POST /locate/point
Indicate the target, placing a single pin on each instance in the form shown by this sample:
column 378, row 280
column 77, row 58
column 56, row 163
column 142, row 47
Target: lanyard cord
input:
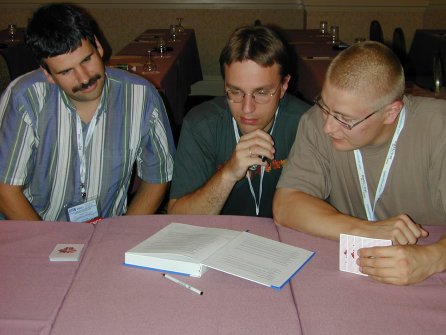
column 81, row 147
column 262, row 169
column 384, row 173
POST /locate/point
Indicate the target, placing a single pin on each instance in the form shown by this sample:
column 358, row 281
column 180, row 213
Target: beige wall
column 213, row 23
column 354, row 17
column 212, row 26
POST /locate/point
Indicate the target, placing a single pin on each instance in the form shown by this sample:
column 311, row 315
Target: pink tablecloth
column 103, row 296
column 334, row 302
column 111, row 298
column 32, row 288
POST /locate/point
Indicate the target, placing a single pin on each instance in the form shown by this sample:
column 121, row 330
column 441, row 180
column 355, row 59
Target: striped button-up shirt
column 39, row 147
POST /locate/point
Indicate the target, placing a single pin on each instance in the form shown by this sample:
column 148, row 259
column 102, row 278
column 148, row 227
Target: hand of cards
column 348, row 250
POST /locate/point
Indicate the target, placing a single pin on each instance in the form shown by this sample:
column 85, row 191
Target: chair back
column 376, row 32
column 399, row 48
column 438, row 73
column 399, row 44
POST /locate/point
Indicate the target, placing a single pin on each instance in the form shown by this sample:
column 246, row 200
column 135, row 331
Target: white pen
column 182, row 283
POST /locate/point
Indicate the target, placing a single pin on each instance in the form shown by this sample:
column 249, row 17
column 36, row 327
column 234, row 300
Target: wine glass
column 162, row 47
column 173, row 32
column 12, row 31
column 180, row 28
column 323, row 27
column 149, row 65
column 335, row 34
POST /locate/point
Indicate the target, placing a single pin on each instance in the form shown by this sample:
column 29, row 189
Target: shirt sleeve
column 156, row 154
column 17, row 140
column 307, row 167
column 195, row 160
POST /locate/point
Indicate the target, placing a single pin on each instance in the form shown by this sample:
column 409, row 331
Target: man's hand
column 402, row 265
column 211, row 197
column 400, row 229
column 249, row 151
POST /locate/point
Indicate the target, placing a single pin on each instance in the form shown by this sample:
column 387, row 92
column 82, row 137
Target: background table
column 314, row 52
column 177, row 70
column 17, row 57
column 425, row 45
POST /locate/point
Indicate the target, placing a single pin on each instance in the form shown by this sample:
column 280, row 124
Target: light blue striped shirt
column 38, row 145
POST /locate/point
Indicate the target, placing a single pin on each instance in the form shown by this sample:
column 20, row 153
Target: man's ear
column 284, row 85
column 394, row 111
column 48, row 75
column 99, row 47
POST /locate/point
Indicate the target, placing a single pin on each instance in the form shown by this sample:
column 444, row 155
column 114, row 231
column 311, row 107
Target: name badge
column 84, row 212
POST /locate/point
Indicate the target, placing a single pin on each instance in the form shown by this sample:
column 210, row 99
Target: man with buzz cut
column 370, row 161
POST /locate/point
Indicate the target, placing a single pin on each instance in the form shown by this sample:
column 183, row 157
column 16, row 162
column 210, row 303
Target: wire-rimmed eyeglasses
column 260, row 96
column 343, row 120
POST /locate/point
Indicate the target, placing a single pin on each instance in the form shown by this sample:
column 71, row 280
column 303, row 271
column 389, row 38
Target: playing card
column 348, row 250
column 66, row 253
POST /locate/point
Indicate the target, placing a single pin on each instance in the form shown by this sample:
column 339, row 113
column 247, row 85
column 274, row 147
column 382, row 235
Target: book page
column 259, row 259
column 185, row 240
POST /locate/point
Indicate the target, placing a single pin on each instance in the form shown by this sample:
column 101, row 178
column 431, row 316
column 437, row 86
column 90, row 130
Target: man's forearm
column 311, row 215
column 208, row 199
column 439, row 255
column 14, row 205
column 147, row 199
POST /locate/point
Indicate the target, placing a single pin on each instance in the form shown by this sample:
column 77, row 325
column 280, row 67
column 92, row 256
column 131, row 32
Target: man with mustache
column 71, row 131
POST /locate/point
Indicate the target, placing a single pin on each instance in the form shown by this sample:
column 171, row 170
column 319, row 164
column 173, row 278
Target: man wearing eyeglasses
column 371, row 162
column 232, row 149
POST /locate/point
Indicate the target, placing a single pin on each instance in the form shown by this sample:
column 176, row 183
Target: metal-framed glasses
column 343, row 120
column 260, row 96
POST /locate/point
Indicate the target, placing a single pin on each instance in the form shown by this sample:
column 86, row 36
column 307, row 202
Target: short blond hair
column 369, row 69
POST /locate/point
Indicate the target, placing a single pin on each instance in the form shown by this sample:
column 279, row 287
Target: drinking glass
column 12, row 31
column 437, row 71
column 161, row 46
column 323, row 27
column 173, row 32
column 180, row 28
column 335, row 34
column 149, row 65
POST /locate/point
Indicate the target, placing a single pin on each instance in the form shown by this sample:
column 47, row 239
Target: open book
column 191, row 250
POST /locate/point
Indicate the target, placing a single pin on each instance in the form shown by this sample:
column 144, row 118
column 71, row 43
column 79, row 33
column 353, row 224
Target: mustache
column 92, row 80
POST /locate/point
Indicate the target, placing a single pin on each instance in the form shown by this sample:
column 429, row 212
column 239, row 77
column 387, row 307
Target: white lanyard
column 262, row 168
column 81, row 147
column 384, row 173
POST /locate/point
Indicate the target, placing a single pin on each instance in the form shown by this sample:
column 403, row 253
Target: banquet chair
column 399, row 44
column 399, row 48
column 376, row 32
